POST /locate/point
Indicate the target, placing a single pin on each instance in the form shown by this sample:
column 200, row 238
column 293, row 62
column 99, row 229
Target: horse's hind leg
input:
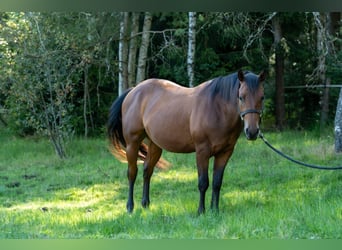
column 153, row 155
column 132, row 150
column 202, row 159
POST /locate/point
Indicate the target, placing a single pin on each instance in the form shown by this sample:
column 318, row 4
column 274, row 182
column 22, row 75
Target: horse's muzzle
column 251, row 134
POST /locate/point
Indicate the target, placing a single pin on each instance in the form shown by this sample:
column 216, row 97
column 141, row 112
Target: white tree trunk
column 338, row 125
column 123, row 53
column 191, row 48
column 321, row 21
column 141, row 71
column 132, row 56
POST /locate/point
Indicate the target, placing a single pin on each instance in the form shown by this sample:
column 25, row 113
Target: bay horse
column 207, row 119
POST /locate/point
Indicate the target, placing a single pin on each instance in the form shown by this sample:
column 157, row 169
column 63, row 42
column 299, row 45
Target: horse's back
column 161, row 109
column 159, row 92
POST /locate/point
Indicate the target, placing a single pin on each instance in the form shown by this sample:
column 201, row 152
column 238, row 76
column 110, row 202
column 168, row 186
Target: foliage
column 85, row 195
column 49, row 65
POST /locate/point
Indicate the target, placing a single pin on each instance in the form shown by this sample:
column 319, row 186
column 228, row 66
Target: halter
column 248, row 111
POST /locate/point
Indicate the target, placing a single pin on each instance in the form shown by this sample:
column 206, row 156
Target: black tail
column 114, row 126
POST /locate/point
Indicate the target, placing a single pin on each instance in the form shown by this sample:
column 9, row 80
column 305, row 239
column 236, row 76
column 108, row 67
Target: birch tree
column 133, row 47
column 326, row 25
column 141, row 71
column 123, row 52
column 322, row 51
column 338, row 125
column 191, row 47
column 335, row 27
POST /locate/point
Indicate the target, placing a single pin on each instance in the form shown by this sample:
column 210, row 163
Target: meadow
column 84, row 196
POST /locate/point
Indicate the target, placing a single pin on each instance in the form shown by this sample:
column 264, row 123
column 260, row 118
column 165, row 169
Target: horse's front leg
column 202, row 159
column 219, row 167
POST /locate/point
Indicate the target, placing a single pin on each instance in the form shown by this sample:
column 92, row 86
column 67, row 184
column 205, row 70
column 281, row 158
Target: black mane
column 227, row 86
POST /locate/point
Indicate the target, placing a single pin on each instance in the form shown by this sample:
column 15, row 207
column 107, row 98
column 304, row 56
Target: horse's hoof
column 130, row 208
column 200, row 211
column 145, row 203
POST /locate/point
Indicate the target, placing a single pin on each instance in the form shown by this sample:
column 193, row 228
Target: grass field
column 263, row 196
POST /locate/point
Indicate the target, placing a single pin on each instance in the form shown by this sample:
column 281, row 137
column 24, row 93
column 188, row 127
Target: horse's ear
column 262, row 76
column 241, row 76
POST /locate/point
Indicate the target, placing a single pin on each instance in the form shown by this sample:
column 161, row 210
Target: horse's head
column 251, row 98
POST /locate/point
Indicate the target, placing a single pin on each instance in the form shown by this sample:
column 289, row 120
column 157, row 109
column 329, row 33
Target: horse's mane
column 227, row 86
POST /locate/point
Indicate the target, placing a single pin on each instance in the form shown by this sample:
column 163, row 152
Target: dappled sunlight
column 70, row 207
column 49, row 206
column 236, row 197
column 175, row 175
column 166, row 209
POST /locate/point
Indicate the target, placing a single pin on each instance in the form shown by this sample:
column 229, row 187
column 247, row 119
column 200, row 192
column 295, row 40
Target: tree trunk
column 327, row 25
column 191, row 48
column 279, row 74
column 1, row 118
column 322, row 50
column 335, row 27
column 338, row 125
column 141, row 71
column 123, row 52
column 325, row 101
column 85, row 102
column 132, row 56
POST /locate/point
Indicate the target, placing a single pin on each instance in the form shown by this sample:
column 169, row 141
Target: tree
column 49, row 69
column 279, row 73
column 321, row 21
column 141, row 71
column 45, row 93
column 2, row 120
column 123, row 52
column 338, row 125
column 334, row 31
column 133, row 47
column 191, row 47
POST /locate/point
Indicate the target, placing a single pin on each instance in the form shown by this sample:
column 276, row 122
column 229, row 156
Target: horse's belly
column 174, row 140
column 176, row 146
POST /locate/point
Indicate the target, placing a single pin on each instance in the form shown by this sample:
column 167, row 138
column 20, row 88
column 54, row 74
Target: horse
column 208, row 119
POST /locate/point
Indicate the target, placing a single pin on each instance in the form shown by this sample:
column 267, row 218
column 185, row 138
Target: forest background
column 61, row 71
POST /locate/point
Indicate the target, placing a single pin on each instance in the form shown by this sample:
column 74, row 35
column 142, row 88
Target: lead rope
column 294, row 160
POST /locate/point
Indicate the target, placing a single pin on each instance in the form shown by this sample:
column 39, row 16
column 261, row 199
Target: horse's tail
column 115, row 134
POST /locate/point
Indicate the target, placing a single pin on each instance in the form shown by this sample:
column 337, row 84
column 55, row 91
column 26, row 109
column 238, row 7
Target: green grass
column 263, row 196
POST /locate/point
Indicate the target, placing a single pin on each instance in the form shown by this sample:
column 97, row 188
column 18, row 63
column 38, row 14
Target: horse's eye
column 262, row 98
column 241, row 98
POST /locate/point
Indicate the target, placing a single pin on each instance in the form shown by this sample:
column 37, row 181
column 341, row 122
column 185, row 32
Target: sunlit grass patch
column 255, row 198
